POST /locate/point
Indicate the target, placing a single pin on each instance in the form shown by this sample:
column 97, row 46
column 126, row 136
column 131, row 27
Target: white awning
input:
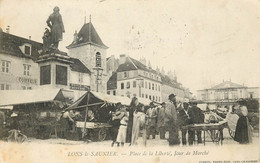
column 111, row 98
column 16, row 97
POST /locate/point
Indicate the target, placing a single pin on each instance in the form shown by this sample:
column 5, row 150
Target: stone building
column 133, row 78
column 88, row 47
column 18, row 67
column 226, row 93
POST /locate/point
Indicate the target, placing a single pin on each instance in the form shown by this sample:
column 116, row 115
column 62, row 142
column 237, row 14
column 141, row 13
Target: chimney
column 122, row 59
column 8, row 29
column 30, row 37
column 75, row 36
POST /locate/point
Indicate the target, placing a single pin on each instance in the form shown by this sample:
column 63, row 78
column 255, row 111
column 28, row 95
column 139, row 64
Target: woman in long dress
column 133, row 106
column 243, row 133
column 138, row 122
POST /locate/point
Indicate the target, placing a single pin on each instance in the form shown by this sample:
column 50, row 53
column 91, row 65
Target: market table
column 208, row 127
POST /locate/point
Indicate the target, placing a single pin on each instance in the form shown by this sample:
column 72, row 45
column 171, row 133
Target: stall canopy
column 17, row 97
column 98, row 98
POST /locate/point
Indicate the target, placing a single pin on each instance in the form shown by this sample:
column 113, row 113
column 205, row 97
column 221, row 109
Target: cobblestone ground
column 150, row 143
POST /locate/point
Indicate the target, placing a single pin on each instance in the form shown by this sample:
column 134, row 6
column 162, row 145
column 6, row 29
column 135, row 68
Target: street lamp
column 99, row 72
column 140, row 82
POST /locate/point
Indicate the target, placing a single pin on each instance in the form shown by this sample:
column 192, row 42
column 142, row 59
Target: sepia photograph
column 129, row 81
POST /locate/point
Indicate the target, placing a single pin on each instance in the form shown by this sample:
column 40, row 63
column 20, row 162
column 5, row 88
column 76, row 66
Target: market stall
column 34, row 112
column 100, row 106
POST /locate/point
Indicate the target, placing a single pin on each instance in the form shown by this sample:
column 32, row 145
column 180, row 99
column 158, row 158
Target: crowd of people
column 146, row 122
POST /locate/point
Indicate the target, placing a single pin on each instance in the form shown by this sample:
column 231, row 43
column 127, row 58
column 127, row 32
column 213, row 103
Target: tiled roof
column 227, row 84
column 127, row 66
column 133, row 64
column 9, row 44
column 112, row 82
column 78, row 66
column 88, row 34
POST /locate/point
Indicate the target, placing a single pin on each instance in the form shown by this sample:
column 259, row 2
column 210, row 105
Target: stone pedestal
column 54, row 69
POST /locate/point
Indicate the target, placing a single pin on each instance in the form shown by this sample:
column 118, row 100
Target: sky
column 204, row 42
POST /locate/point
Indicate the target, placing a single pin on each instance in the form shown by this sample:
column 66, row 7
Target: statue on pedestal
column 52, row 38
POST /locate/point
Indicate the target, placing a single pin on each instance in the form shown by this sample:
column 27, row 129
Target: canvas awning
column 96, row 98
column 145, row 101
column 17, row 97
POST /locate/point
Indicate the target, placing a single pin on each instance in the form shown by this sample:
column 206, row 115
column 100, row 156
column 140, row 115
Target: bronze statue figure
column 56, row 25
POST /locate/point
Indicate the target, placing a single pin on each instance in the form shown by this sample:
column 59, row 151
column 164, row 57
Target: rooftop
column 112, row 82
column 133, row 64
column 9, row 44
column 87, row 35
column 78, row 66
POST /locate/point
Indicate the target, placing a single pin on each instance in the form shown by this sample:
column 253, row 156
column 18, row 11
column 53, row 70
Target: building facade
column 134, row 79
column 226, row 93
column 17, row 56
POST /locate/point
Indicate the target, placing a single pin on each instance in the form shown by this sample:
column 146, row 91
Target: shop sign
column 27, row 80
column 79, row 87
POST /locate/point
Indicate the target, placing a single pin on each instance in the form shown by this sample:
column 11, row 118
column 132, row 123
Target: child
column 121, row 137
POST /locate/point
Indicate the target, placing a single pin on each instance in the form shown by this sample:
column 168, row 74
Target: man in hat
column 196, row 116
column 151, row 115
column 160, row 120
column 171, row 120
column 183, row 117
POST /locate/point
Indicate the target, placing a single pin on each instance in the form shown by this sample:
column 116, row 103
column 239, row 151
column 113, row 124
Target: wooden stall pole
column 86, row 114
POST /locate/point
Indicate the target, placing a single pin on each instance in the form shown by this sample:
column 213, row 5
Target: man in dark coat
column 183, row 121
column 196, row 116
column 171, row 121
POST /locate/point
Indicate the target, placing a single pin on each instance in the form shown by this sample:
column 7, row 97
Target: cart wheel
column 101, row 134
column 231, row 133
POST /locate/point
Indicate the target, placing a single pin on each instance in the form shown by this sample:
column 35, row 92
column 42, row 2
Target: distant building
column 168, row 83
column 88, row 47
column 172, row 86
column 133, row 78
column 112, row 64
column 226, row 93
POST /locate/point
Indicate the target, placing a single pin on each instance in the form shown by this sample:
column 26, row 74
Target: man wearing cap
column 151, row 115
column 171, row 120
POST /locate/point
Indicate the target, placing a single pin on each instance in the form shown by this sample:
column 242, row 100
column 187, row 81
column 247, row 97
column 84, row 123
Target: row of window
column 8, row 86
column 147, row 85
column 6, row 67
column 126, row 74
column 5, row 86
column 153, row 98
